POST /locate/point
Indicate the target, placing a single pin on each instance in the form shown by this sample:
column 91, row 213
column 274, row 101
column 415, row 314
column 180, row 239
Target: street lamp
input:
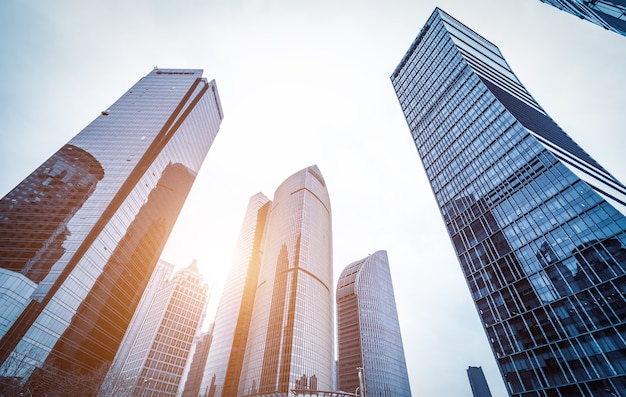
column 362, row 392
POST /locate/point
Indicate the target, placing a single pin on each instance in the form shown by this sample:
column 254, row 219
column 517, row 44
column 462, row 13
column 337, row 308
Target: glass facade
column 84, row 231
column 291, row 339
column 610, row 14
column 157, row 354
column 232, row 319
column 538, row 225
column 368, row 331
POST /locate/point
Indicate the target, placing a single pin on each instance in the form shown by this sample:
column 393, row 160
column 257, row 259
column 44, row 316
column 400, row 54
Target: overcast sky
column 302, row 83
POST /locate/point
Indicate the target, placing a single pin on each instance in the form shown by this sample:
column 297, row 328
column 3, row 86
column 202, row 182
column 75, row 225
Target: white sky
column 302, row 83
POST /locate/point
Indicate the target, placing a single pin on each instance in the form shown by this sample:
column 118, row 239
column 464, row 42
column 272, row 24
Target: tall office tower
column 611, row 15
column 200, row 349
column 81, row 235
column 478, row 383
column 158, row 353
column 232, row 319
column 371, row 355
column 291, row 339
column 537, row 224
column 113, row 383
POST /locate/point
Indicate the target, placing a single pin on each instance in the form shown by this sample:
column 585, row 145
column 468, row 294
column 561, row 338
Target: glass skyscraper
column 371, row 354
column 232, row 319
column 201, row 347
column 537, row 224
column 478, row 383
column 290, row 344
column 610, row 14
column 80, row 236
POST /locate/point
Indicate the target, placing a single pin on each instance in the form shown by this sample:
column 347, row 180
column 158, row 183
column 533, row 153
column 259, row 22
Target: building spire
column 194, row 265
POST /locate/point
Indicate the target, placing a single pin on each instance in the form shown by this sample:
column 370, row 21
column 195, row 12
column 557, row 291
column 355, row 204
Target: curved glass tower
column 537, row 224
column 80, row 236
column 291, row 344
column 368, row 331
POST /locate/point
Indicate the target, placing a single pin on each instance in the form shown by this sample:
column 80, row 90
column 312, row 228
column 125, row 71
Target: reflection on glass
column 34, row 215
column 96, row 331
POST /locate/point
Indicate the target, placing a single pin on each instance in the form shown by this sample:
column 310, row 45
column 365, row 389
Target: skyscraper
column 158, row 353
column 611, row 15
column 537, row 224
column 232, row 320
column 81, row 235
column 290, row 343
column 113, row 383
column 368, row 331
column 478, row 383
column 201, row 348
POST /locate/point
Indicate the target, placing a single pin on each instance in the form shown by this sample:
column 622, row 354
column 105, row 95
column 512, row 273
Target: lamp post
column 361, row 390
